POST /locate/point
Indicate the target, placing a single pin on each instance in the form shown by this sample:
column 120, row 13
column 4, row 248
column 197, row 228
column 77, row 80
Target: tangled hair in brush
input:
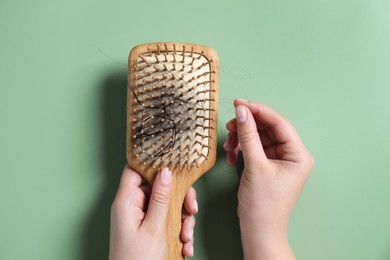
column 171, row 113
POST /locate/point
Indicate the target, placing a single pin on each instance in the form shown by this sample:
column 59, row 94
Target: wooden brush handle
column 174, row 223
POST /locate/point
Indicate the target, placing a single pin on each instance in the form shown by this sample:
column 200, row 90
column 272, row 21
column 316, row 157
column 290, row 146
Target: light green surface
column 325, row 64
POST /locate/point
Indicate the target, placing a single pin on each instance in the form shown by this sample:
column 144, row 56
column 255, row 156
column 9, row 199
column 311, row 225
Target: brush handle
column 174, row 223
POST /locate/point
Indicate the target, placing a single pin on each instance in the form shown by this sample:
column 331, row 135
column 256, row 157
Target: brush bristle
column 172, row 115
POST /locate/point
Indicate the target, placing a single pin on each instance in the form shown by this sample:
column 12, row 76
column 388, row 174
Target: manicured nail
column 166, row 176
column 191, row 251
column 196, row 205
column 241, row 114
column 190, row 234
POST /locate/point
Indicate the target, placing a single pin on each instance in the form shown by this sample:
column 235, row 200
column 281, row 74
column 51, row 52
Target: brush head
column 172, row 108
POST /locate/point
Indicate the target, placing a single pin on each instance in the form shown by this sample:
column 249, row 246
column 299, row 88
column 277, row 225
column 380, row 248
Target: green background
column 325, row 64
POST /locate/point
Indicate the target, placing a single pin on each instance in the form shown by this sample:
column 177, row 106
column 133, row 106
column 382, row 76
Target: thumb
column 159, row 199
column 248, row 137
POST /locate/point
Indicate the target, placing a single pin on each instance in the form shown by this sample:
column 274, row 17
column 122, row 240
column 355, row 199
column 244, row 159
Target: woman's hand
column 276, row 167
column 138, row 218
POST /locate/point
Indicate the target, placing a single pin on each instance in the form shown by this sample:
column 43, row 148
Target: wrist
column 262, row 241
column 266, row 249
column 270, row 226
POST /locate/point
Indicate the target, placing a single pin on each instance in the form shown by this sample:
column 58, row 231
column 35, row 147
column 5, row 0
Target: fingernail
column 240, row 99
column 241, row 114
column 166, row 176
column 191, row 250
column 196, row 205
column 190, row 234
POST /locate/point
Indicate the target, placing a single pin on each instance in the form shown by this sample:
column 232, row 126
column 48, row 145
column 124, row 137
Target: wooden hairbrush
column 172, row 109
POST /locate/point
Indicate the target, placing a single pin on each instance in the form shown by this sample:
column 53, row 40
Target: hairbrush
column 172, row 109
